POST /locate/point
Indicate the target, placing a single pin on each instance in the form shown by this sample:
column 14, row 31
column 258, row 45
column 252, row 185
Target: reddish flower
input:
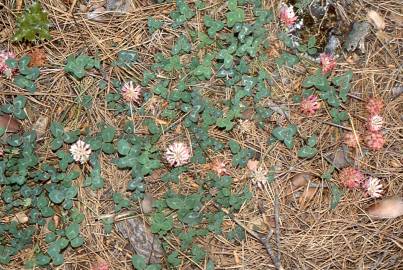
column 101, row 265
column 375, row 122
column 374, row 105
column 350, row 178
column 328, row 62
column 4, row 69
column 350, row 140
column 310, row 105
column 287, row 15
column 375, row 140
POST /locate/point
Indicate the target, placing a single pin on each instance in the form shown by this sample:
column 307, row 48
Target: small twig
column 336, row 125
column 277, row 221
column 262, row 239
column 72, row 6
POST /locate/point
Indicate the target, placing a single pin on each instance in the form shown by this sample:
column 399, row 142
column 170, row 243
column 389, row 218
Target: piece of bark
column 141, row 239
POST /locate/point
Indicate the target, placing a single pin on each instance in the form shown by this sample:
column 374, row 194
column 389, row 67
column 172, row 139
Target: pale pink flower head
column 373, row 187
column 350, row 178
column 80, row 151
column 310, row 105
column 375, row 122
column 4, row 69
column 131, row 93
column 287, row 15
column 374, row 105
column 219, row 167
column 375, row 140
column 327, row 61
column 177, row 154
column 350, row 140
column 1, row 152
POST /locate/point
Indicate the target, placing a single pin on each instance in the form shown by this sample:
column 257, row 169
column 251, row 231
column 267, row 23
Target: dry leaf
column 376, row 20
column 252, row 165
column 141, row 239
column 97, row 14
column 38, row 57
column 40, row 126
column 396, row 91
column 301, row 179
column 20, row 217
column 339, row 158
column 119, row 5
column 307, row 195
column 387, row 208
column 9, row 123
column 353, row 59
column 147, row 204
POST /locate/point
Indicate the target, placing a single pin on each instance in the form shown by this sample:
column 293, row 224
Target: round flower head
column 375, row 140
column 375, row 122
column 177, row 154
column 327, row 61
column 374, row 105
column 350, row 140
column 259, row 177
column 373, row 187
column 287, row 15
column 80, row 151
column 219, row 167
column 310, row 105
column 101, row 265
column 4, row 69
column 350, row 178
column 131, row 93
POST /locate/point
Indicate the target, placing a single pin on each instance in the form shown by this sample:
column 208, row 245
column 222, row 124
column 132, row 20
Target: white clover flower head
column 375, row 122
column 177, row 154
column 80, row 151
column 131, row 93
column 259, row 177
column 373, row 187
